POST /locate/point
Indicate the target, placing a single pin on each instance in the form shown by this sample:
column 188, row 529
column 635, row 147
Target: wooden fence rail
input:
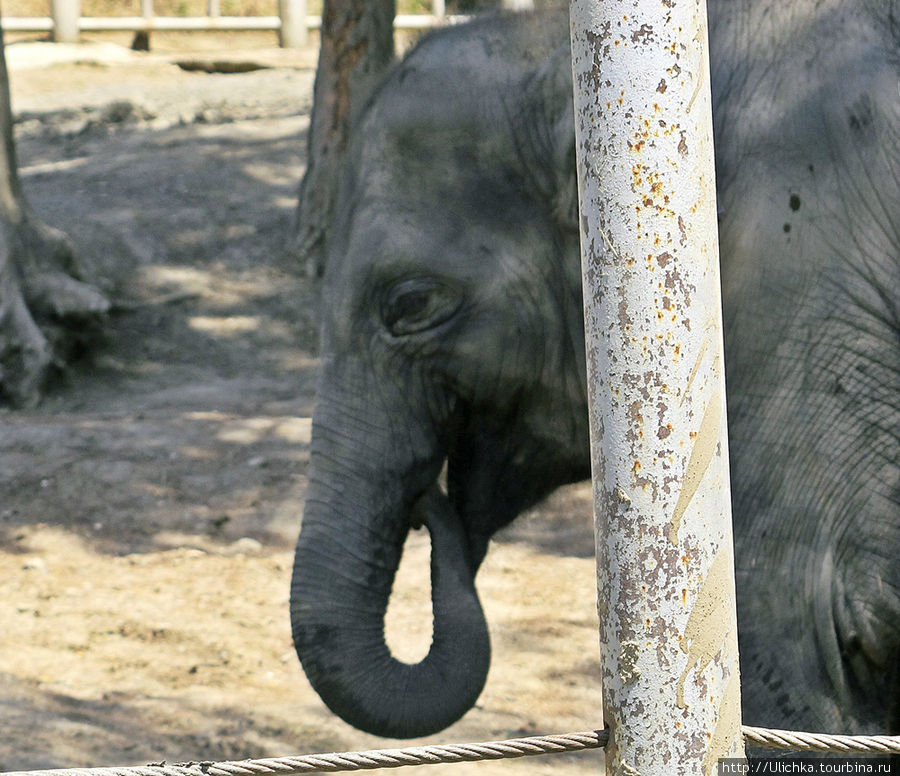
column 292, row 23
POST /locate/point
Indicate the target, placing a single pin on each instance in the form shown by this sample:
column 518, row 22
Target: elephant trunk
column 344, row 568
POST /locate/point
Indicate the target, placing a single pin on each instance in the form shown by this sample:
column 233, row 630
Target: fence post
column 213, row 9
column 665, row 570
column 439, row 8
column 293, row 33
column 66, row 20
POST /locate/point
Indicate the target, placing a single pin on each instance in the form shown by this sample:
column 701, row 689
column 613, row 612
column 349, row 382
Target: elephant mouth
column 435, row 499
column 436, row 496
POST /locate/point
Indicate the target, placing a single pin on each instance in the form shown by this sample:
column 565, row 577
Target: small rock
column 219, row 522
column 246, row 545
column 34, row 564
column 258, row 461
column 141, row 41
column 118, row 112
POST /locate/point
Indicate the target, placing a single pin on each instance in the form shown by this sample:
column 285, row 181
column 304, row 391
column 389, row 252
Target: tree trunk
column 357, row 46
column 44, row 304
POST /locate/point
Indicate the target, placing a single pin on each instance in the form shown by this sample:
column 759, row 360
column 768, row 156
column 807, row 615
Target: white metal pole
column 66, row 17
column 438, row 9
column 665, row 570
column 213, row 9
column 147, row 9
column 293, row 32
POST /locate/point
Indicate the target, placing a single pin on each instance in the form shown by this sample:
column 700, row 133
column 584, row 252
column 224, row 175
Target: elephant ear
column 545, row 136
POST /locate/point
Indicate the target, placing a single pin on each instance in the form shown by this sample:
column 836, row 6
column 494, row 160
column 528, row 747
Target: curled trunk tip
column 337, row 617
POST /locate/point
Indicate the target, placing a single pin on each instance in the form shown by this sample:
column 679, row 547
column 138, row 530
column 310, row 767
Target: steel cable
column 455, row 753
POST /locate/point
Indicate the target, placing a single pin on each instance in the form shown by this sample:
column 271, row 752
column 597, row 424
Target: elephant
column 452, row 341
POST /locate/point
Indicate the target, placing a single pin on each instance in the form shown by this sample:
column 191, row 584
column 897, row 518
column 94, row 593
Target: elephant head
column 446, row 259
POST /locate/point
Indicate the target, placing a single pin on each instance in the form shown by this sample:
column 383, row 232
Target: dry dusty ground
column 148, row 509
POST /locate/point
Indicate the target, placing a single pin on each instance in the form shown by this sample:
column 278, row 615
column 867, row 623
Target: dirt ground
column 149, row 507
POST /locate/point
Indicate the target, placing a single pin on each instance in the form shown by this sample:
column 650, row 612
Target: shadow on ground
column 129, row 728
column 197, row 402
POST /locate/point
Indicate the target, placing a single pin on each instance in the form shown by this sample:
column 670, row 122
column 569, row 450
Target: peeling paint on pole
column 655, row 372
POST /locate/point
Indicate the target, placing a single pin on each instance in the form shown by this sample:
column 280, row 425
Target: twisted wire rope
column 455, row 753
column 820, row 742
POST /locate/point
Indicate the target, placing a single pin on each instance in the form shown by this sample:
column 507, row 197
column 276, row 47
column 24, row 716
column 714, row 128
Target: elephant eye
column 416, row 305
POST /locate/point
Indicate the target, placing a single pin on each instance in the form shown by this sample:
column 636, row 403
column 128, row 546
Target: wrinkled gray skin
column 453, row 333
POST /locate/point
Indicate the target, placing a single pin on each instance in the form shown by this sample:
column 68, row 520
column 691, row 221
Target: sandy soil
column 148, row 509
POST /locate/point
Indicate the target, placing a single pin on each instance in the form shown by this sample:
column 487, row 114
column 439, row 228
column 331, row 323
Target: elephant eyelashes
column 416, row 305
